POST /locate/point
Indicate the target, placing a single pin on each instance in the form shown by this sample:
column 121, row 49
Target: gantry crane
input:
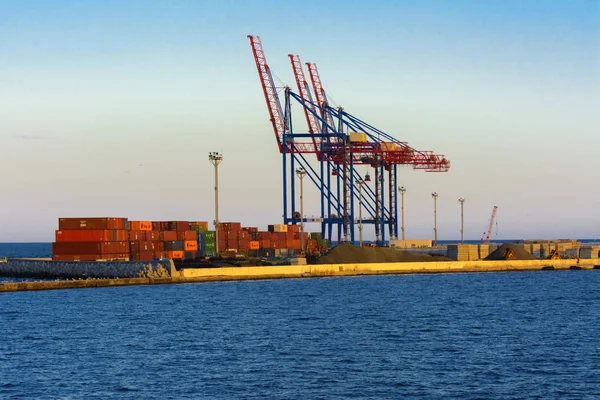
column 340, row 142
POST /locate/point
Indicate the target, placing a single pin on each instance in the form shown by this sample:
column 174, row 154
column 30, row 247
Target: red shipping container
column 85, row 235
column 158, row 226
column 168, row 236
column 230, row 226
column 89, row 257
column 180, row 226
column 134, row 247
column 136, row 236
column 187, row 235
column 146, row 255
column 152, row 236
column 244, row 235
column 148, row 246
column 92, row 223
column 160, row 254
column 90, row 247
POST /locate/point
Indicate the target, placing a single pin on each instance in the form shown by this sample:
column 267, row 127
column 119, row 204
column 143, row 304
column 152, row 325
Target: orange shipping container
column 253, row 245
column 140, row 225
column 190, row 245
column 176, row 254
column 187, row 235
column 292, row 244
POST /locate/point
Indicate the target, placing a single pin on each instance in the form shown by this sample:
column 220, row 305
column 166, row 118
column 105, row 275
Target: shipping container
column 243, row 235
column 176, row 254
column 174, row 245
column 280, row 228
column 209, row 236
column 357, row 137
column 140, row 225
column 187, row 235
column 91, row 235
column 136, row 236
column 66, row 248
column 253, row 245
column 166, row 236
column 230, row 226
column 106, row 223
column 199, row 226
column 90, row 257
column 178, row 226
column 159, row 226
column 152, row 236
column 190, row 245
column 316, row 236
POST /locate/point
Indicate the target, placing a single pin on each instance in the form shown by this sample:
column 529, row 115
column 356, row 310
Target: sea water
column 520, row 335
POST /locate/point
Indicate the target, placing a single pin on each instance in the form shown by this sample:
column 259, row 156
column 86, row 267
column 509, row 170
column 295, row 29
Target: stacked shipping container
column 86, row 239
column 90, row 239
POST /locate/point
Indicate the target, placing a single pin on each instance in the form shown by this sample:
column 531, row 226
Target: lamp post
column 402, row 190
column 435, row 196
column 215, row 159
column 462, row 220
column 301, row 173
column 360, row 184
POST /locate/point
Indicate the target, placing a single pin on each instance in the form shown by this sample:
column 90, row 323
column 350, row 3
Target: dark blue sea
column 520, row 335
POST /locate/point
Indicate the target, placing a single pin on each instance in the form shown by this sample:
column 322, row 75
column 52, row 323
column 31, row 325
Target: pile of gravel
column 502, row 253
column 345, row 253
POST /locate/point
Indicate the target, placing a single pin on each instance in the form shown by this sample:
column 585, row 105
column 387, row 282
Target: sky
column 110, row 108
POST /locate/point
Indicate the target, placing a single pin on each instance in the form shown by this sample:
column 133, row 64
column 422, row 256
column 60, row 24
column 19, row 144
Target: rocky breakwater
column 44, row 269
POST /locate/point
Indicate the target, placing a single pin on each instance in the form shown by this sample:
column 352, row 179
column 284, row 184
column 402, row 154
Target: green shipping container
column 209, row 236
column 197, row 228
column 316, row 236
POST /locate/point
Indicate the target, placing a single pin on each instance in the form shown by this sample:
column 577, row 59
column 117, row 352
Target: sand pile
column 509, row 251
column 346, row 253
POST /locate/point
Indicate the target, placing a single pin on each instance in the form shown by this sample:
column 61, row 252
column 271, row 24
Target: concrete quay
column 193, row 275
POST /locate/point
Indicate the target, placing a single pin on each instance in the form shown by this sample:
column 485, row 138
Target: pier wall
column 384, row 268
column 25, row 268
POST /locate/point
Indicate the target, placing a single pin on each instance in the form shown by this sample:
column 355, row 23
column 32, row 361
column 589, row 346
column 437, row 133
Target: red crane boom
column 269, row 90
column 486, row 238
column 304, row 90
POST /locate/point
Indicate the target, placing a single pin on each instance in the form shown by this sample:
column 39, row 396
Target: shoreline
column 198, row 275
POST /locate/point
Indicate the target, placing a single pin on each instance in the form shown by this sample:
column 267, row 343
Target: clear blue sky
column 109, row 108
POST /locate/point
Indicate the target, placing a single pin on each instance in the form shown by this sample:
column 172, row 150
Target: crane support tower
column 341, row 142
column 485, row 239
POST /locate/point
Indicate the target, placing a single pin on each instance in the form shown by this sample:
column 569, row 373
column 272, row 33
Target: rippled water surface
column 464, row 336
